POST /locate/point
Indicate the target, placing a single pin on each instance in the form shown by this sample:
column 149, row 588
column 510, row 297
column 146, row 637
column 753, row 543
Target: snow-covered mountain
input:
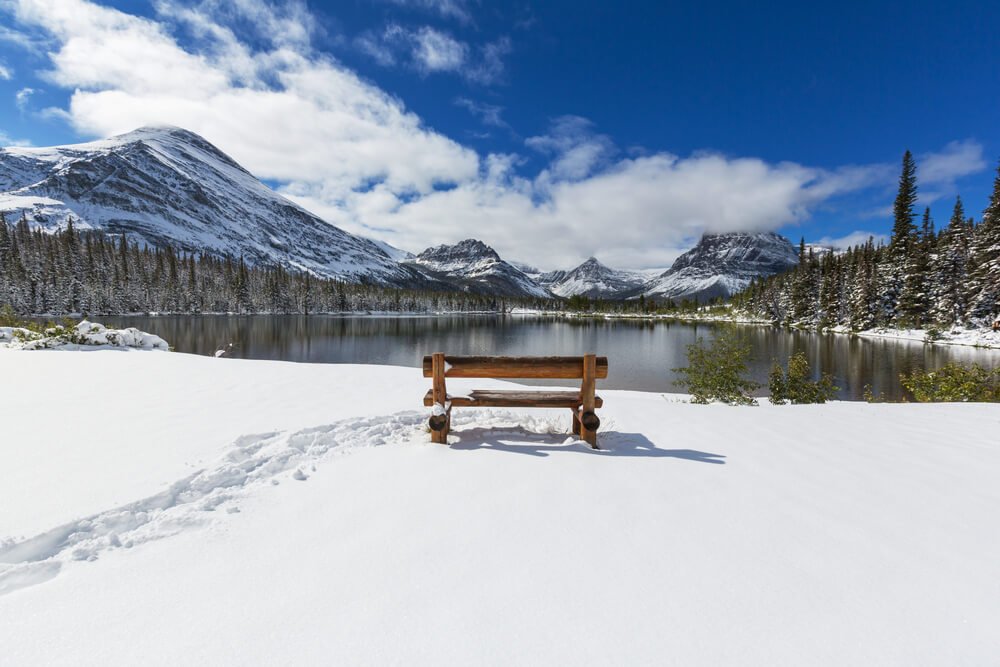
column 592, row 279
column 168, row 185
column 723, row 264
column 476, row 267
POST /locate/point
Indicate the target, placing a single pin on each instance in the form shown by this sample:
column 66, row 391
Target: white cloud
column 429, row 50
column 852, row 240
column 454, row 9
column 957, row 159
column 23, row 97
column 5, row 73
column 7, row 140
column 286, row 112
column 16, row 37
column 490, row 68
column 354, row 154
column 576, row 150
column 489, row 114
column 434, row 51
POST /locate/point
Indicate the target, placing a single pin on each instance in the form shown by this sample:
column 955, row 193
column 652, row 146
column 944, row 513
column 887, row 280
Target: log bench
column 582, row 403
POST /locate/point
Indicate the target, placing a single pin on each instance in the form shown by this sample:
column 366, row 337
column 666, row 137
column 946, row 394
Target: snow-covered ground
column 161, row 508
column 83, row 335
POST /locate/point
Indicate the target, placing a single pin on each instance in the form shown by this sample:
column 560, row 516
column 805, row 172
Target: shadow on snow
column 612, row 443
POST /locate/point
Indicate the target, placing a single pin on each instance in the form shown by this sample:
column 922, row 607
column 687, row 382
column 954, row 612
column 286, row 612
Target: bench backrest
column 557, row 368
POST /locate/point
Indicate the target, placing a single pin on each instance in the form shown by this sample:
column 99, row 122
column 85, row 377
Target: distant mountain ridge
column 476, row 267
column 592, row 279
column 722, row 264
column 167, row 185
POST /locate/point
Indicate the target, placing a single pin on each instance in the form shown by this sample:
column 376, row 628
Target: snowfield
column 161, row 509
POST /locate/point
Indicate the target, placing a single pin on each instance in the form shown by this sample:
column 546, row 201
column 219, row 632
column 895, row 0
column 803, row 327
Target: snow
column 475, row 262
column 592, row 279
column 194, row 510
column 163, row 185
column 84, row 334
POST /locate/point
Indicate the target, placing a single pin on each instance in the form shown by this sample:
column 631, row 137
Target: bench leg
column 576, row 423
column 441, row 435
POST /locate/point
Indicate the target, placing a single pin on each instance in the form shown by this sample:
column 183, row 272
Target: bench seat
column 491, row 398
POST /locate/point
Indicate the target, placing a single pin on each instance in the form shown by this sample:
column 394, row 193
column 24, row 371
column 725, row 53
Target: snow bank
column 248, row 512
column 84, row 334
column 984, row 337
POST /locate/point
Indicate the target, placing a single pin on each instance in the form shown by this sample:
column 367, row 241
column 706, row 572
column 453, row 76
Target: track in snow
column 266, row 459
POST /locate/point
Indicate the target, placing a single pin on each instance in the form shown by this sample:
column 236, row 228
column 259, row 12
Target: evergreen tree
column 914, row 299
column 892, row 275
column 949, row 269
column 985, row 295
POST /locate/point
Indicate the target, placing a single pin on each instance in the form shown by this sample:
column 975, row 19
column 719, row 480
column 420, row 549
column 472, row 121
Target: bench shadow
column 612, row 443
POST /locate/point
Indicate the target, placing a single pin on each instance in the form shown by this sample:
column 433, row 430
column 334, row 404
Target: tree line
column 80, row 271
column 922, row 278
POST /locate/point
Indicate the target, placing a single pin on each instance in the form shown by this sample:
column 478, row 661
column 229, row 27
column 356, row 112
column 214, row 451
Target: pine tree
column 949, row 269
column 984, row 303
column 893, row 274
column 914, row 300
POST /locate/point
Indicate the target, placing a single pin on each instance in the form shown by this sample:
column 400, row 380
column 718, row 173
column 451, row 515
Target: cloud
column 285, row 111
column 453, row 9
column 957, row 159
column 429, row 51
column 18, row 38
column 7, row 140
column 23, row 97
column 5, row 73
column 488, row 114
column 636, row 213
column 577, row 151
column 357, row 156
column 490, row 69
column 434, row 51
column 852, row 240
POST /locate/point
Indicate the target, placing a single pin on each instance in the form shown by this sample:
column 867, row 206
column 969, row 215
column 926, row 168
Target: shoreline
column 983, row 338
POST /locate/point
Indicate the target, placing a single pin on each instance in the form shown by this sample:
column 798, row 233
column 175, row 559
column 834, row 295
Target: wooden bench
column 582, row 403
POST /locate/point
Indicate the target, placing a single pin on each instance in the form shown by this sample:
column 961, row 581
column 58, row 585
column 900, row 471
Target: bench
column 582, row 403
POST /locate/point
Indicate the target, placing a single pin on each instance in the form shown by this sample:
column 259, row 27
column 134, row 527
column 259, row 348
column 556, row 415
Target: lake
column 641, row 353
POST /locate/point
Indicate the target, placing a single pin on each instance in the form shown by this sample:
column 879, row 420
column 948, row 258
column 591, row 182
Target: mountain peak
column 167, row 185
column 592, row 279
column 479, row 267
column 469, row 249
column 723, row 264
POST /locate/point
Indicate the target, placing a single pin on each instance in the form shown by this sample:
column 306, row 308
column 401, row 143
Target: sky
column 552, row 131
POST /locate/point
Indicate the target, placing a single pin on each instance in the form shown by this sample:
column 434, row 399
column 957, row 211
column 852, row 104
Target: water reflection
column 642, row 353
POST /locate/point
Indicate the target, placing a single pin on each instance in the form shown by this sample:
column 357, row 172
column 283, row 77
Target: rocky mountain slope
column 168, row 185
column 594, row 280
column 476, row 267
column 722, row 264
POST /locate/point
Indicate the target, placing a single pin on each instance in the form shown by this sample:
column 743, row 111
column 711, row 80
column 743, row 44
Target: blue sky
column 552, row 130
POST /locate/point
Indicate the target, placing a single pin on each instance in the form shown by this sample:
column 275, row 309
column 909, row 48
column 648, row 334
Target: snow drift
column 249, row 512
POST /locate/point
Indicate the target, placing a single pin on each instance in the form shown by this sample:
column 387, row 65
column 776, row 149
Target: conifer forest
column 922, row 278
column 92, row 273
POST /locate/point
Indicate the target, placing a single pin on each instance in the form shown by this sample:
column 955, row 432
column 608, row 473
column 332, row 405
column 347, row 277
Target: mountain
column 592, row 279
column 723, row 264
column 162, row 185
column 474, row 266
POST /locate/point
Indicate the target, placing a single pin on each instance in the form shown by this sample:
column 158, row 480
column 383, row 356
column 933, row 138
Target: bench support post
column 576, row 422
column 587, row 397
column 440, row 435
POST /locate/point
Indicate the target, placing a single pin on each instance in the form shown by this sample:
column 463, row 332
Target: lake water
column 641, row 354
